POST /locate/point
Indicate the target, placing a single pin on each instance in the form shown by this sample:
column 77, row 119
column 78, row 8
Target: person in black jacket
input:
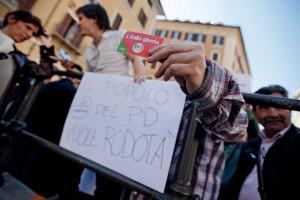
column 267, row 167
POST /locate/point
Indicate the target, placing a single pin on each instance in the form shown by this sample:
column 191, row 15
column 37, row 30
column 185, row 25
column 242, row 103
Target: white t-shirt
column 104, row 58
column 6, row 43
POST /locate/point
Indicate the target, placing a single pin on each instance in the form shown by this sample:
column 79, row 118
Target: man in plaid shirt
column 218, row 101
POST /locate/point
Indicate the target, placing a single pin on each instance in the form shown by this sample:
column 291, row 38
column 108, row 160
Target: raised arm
column 210, row 88
column 219, row 104
column 138, row 68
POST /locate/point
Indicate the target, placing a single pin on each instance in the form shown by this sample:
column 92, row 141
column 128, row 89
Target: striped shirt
column 218, row 106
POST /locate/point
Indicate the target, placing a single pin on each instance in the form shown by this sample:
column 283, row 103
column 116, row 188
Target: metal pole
column 68, row 74
column 274, row 101
column 17, row 128
column 180, row 188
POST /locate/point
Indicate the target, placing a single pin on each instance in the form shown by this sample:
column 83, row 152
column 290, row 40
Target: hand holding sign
column 185, row 61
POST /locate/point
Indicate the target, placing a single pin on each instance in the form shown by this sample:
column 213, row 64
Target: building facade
column 59, row 18
column 224, row 44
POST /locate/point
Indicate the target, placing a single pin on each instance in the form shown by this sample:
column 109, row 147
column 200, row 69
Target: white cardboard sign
column 127, row 127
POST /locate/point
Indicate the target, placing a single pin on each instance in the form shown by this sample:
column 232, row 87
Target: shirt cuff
column 204, row 90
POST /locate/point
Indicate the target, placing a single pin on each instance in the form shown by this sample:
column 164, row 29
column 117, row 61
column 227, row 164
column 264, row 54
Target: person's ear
column 96, row 23
column 11, row 19
column 94, row 20
column 254, row 109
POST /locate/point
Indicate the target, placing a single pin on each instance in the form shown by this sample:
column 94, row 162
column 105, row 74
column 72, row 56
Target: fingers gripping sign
column 184, row 61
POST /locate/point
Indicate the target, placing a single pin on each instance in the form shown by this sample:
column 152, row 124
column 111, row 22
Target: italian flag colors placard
column 138, row 43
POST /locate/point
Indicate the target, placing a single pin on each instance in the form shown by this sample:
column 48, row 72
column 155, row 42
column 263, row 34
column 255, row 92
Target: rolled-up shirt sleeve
column 218, row 103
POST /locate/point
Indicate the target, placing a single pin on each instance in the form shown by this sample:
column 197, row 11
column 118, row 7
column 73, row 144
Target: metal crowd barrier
column 179, row 189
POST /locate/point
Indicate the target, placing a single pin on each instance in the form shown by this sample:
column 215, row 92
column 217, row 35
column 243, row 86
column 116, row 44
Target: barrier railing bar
column 274, row 101
column 281, row 102
column 68, row 73
column 16, row 129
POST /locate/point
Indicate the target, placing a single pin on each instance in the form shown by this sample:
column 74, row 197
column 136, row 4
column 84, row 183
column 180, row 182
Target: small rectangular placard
column 138, row 43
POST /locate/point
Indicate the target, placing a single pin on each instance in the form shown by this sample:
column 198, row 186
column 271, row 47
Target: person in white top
column 102, row 55
column 267, row 167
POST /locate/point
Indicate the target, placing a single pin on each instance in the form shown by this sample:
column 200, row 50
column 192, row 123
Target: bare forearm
column 138, row 68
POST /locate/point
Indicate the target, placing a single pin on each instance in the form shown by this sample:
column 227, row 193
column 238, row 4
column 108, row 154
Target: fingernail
column 149, row 59
column 151, row 51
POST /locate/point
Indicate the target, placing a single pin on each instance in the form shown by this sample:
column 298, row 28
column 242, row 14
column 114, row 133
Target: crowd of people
column 227, row 166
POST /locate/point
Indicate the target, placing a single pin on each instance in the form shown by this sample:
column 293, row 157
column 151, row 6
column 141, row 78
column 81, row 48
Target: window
column 69, row 30
column 215, row 56
column 201, row 38
column 194, row 37
column 188, row 36
column 130, row 2
column 157, row 32
column 70, row 34
column 26, row 4
column 153, row 31
column 150, row 3
column 117, row 22
column 164, row 33
column 142, row 18
column 18, row 4
column 89, row 1
column 218, row 40
column 176, row 35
